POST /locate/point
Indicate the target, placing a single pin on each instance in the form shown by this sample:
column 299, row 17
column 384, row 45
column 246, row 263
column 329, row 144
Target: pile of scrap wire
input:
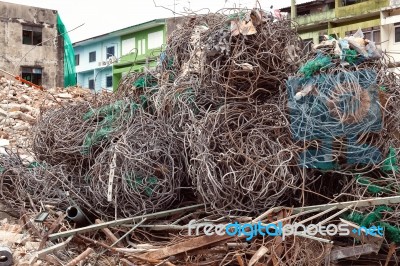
column 232, row 117
column 208, row 125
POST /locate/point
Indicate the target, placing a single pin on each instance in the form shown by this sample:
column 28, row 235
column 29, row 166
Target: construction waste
column 291, row 157
column 20, row 105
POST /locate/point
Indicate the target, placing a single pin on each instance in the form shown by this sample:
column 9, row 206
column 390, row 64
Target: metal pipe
column 75, row 214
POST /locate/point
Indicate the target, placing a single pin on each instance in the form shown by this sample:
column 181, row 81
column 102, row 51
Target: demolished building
column 24, row 29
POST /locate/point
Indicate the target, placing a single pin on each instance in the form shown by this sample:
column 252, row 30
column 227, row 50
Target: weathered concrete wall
column 14, row 54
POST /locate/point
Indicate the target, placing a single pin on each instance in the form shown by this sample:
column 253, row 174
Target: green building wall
column 341, row 19
column 136, row 63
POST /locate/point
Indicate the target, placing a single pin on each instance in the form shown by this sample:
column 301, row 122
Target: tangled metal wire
column 59, row 134
column 242, row 157
column 221, row 112
column 33, row 186
column 224, row 66
column 148, row 163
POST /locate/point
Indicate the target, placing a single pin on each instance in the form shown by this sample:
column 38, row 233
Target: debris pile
column 235, row 128
column 20, row 105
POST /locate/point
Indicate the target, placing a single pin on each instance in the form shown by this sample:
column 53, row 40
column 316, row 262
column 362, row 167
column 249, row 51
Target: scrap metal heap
column 235, row 124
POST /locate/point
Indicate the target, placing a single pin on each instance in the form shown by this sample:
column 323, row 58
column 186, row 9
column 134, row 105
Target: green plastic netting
column 106, row 116
column 313, row 66
column 392, row 232
column 69, row 55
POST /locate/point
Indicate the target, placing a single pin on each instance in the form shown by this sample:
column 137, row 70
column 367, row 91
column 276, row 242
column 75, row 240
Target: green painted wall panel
column 341, row 30
column 316, row 18
column 134, row 62
column 360, row 8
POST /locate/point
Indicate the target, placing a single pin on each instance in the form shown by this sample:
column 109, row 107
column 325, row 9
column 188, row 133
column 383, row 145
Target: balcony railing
column 133, row 58
column 315, row 18
column 361, row 8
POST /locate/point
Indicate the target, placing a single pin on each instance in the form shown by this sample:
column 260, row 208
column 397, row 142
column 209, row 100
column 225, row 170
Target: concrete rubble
column 20, row 105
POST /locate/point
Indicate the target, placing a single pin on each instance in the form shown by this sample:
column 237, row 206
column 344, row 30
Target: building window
column 31, row 35
column 109, row 81
column 351, row 2
column 141, row 47
column 92, row 57
column 397, row 34
column 32, row 74
column 77, row 59
column 110, row 51
column 372, row 34
column 91, row 84
column 307, row 45
column 303, row 12
column 128, row 46
column 155, row 39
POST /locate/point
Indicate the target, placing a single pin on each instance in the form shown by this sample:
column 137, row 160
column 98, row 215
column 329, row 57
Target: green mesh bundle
column 107, row 110
column 96, row 137
column 374, row 189
column 69, row 55
column 145, row 81
column 351, row 56
column 137, row 182
column 390, row 163
column 315, row 65
column 374, row 218
column 105, row 117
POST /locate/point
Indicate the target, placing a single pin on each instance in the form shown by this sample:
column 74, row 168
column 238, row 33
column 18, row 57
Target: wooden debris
column 53, row 227
column 191, row 244
column 110, row 236
column 240, row 260
column 44, row 252
column 83, row 256
column 391, row 251
column 258, row 255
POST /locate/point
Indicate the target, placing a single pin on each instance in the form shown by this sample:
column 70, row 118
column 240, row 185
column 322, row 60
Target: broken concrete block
column 27, row 118
column 64, row 95
column 3, row 113
column 22, row 116
column 14, row 114
column 10, row 107
column 21, row 127
column 26, row 108
column 3, row 143
column 30, row 246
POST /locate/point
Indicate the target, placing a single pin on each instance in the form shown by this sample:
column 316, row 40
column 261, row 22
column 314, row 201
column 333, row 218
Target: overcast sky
column 101, row 17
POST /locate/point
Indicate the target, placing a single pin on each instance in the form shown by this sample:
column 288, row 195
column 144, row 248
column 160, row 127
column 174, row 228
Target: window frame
column 107, row 80
column 31, row 30
column 108, row 55
column 369, row 31
column 91, row 81
column 33, row 77
column 77, row 59
column 396, row 26
column 91, row 57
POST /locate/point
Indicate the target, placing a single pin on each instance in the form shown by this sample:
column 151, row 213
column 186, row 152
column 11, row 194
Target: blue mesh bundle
column 335, row 107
